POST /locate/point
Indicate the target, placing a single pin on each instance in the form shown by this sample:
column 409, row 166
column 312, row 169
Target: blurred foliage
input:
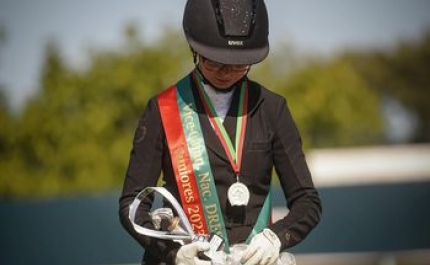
column 403, row 74
column 326, row 100
column 75, row 134
column 3, row 35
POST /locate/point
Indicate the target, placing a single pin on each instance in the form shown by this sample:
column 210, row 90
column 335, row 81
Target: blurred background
column 76, row 75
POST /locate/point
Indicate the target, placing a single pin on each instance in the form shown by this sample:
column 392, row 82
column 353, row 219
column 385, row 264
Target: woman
column 216, row 136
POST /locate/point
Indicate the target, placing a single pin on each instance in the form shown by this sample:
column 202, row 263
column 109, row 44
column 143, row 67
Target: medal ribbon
column 234, row 154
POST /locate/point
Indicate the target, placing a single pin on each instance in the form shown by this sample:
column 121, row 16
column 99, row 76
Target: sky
column 324, row 27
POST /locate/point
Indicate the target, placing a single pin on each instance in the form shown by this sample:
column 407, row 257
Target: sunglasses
column 215, row 67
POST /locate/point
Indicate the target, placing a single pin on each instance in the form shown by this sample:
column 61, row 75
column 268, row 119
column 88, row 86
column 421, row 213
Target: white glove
column 263, row 249
column 187, row 254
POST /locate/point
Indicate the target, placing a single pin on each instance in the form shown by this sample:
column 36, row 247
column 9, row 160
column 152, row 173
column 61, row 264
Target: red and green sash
column 190, row 160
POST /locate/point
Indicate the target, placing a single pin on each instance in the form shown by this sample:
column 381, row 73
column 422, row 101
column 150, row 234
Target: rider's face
column 222, row 75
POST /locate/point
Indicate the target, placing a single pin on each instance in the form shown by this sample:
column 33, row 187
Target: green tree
column 75, row 133
column 5, row 124
column 403, row 74
column 330, row 101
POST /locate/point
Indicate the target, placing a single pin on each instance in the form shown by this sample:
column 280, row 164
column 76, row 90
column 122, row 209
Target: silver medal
column 238, row 194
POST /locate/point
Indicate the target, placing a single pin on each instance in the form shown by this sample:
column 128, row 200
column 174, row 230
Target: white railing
column 370, row 165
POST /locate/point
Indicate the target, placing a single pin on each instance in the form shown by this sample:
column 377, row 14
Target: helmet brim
column 231, row 55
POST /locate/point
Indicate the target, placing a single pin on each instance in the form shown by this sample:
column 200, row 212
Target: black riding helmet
column 228, row 31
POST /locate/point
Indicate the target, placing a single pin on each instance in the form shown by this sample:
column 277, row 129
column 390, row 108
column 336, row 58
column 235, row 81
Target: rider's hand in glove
column 263, row 249
column 188, row 254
